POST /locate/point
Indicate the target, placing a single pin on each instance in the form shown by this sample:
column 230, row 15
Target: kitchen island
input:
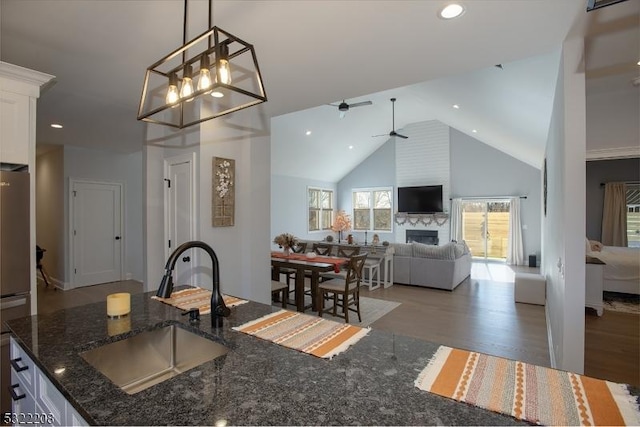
column 256, row 382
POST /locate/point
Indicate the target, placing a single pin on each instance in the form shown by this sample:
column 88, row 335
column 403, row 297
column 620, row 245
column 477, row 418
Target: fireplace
column 428, row 237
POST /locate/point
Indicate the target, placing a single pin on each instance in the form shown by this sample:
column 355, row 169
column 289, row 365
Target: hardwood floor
column 612, row 346
column 480, row 315
column 50, row 300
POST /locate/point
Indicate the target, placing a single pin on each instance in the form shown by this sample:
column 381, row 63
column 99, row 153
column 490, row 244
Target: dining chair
column 280, row 290
column 290, row 273
column 322, row 248
column 344, row 292
column 347, row 251
column 344, row 251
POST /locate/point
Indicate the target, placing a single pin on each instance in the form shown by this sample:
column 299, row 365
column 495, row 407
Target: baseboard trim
column 52, row 281
column 552, row 355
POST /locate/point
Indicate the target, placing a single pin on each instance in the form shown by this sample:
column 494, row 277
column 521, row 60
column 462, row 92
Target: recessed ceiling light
column 56, row 126
column 308, row 132
column 474, row 131
column 456, row 106
column 351, row 147
column 451, row 11
column 638, row 62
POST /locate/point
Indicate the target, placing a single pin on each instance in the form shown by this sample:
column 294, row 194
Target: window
column 372, row 209
column 320, row 209
column 633, row 215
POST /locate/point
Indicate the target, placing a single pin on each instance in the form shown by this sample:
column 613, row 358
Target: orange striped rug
column 196, row 297
column 527, row 392
column 308, row 334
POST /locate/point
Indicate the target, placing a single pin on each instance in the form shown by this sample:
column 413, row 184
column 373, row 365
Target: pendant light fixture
column 183, row 89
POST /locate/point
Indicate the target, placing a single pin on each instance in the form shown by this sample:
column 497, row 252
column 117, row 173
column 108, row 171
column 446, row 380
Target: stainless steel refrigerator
column 15, row 267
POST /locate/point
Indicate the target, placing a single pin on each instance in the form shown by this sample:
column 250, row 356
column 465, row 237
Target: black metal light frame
column 221, row 44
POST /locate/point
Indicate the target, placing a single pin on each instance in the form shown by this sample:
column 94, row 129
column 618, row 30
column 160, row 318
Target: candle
column 118, row 304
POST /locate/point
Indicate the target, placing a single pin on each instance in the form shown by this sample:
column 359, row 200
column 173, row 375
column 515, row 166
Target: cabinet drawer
column 73, row 418
column 22, row 366
column 50, row 400
column 23, row 404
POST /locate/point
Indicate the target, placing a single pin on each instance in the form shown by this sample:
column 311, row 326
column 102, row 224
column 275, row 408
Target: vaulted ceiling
column 312, row 53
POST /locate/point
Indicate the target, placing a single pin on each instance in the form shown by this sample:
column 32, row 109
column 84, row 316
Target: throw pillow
column 403, row 249
column 435, row 252
column 458, row 249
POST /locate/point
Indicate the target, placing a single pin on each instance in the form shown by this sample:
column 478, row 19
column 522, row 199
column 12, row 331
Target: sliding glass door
column 485, row 228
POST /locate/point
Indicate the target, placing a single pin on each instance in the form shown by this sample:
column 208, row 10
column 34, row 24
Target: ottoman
column 530, row 288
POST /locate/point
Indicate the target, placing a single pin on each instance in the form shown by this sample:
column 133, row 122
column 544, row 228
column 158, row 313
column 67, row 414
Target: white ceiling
column 315, row 52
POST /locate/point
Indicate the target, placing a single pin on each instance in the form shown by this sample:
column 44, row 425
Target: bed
column 621, row 272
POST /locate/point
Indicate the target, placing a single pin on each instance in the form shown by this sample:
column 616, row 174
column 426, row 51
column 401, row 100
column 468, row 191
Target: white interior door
column 96, row 232
column 180, row 209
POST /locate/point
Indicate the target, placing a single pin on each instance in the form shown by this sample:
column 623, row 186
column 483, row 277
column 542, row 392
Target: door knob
column 117, row 237
column 186, row 259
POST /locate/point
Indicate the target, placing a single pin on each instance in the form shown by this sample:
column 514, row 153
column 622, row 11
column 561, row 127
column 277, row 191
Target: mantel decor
column 424, row 219
column 223, row 198
column 214, row 74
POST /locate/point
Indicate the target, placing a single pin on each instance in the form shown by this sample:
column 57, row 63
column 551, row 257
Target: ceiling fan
column 343, row 107
column 393, row 123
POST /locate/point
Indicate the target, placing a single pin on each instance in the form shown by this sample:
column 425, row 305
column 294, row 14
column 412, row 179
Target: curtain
column 614, row 214
column 515, row 252
column 456, row 220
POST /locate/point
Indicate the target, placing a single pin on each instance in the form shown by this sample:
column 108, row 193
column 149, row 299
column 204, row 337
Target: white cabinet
column 14, row 128
column 35, row 399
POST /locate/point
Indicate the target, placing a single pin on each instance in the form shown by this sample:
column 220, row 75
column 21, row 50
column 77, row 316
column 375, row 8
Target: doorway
column 95, row 232
column 180, row 213
column 485, row 228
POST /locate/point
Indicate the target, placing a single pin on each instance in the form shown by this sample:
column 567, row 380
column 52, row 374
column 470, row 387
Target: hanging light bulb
column 204, row 82
column 187, row 84
column 172, row 93
column 223, row 70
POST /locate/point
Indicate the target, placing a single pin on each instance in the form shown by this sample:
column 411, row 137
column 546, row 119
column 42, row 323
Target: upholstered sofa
column 442, row 267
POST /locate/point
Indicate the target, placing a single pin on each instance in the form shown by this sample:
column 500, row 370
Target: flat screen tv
column 423, row 199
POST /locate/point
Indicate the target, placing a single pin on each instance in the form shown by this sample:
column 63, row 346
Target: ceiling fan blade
column 383, row 134
column 360, row 104
column 401, row 136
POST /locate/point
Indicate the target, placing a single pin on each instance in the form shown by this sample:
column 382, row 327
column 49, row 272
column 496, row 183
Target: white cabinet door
column 14, row 128
column 35, row 397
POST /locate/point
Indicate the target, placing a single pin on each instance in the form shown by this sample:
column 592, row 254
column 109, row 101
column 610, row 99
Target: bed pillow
column 595, row 245
column 587, row 248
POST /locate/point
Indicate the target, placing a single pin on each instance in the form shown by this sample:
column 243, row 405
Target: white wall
column 162, row 142
column 50, row 220
column 289, row 207
column 86, row 164
column 563, row 227
column 424, row 159
column 242, row 250
column 479, row 170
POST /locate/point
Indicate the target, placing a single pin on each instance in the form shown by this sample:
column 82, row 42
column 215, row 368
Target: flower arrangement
column 224, row 179
column 286, row 240
column 341, row 223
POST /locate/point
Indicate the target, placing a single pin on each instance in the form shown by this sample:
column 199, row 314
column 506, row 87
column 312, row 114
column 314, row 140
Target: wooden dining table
column 301, row 264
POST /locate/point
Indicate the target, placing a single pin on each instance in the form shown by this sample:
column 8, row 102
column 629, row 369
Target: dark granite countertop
column 256, row 383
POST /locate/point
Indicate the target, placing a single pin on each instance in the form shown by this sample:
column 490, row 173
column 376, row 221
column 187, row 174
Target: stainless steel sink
column 146, row 359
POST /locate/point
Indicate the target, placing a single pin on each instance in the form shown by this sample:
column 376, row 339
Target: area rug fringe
column 308, row 334
column 527, row 392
